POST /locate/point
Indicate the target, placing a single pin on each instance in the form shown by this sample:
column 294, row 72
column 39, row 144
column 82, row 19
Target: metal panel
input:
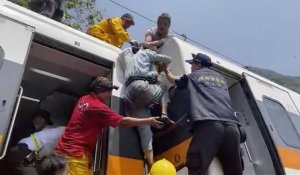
column 15, row 41
column 256, row 157
column 262, row 90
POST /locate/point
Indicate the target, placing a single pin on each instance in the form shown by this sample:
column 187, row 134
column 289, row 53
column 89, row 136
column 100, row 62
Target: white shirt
column 125, row 57
column 153, row 31
column 47, row 138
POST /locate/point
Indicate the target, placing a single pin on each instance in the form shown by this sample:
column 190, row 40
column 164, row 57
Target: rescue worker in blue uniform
column 215, row 128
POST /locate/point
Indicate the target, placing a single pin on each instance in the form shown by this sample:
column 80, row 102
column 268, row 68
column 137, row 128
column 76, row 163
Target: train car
column 45, row 64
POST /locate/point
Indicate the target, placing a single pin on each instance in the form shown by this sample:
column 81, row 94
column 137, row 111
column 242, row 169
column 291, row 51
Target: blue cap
column 203, row 59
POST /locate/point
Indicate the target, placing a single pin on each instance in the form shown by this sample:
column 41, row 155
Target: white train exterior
column 46, row 64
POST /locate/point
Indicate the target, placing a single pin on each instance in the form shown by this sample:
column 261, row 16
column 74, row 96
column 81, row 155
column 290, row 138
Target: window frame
column 279, row 131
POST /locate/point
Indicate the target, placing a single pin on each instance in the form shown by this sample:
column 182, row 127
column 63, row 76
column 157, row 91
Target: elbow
column 124, row 122
column 167, row 59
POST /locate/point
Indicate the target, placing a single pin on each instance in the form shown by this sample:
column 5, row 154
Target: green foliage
column 80, row 14
column 291, row 82
column 23, row 3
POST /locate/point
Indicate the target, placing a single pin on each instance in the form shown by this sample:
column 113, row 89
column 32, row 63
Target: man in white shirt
column 42, row 142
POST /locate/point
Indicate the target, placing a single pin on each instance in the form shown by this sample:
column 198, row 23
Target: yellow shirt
column 111, row 31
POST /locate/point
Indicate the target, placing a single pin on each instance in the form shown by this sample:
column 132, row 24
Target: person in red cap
column 113, row 30
column 89, row 116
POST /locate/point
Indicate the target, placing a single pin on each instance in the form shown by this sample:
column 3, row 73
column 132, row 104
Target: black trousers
column 210, row 139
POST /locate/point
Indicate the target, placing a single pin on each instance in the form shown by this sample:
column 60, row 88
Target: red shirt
column 89, row 117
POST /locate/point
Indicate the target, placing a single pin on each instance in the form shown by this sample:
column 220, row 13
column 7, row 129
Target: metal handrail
column 12, row 122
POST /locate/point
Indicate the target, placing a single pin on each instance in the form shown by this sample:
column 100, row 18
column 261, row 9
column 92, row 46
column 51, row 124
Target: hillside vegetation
column 291, row 82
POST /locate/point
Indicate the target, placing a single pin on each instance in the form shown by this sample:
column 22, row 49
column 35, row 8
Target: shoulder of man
column 85, row 102
column 115, row 20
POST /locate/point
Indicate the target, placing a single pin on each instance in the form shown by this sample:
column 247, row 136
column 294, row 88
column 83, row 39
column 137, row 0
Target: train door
column 280, row 123
column 15, row 42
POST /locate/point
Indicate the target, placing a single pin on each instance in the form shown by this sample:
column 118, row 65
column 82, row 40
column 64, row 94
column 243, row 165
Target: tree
column 80, row 14
column 23, row 3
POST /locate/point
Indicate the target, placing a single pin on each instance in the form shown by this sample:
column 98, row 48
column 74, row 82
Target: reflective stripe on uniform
column 37, row 145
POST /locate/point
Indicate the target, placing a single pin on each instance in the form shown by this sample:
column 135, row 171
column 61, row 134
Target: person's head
column 102, row 87
column 53, row 165
column 41, row 119
column 163, row 24
column 198, row 61
column 127, row 20
column 163, row 167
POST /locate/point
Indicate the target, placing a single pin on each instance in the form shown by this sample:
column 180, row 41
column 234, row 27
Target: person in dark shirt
column 214, row 125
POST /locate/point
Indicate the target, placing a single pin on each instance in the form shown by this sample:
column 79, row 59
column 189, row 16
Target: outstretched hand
column 155, row 123
column 165, row 67
column 167, row 121
column 145, row 44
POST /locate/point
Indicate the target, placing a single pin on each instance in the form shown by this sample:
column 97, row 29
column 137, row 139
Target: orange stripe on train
column 176, row 154
column 290, row 158
column 121, row 165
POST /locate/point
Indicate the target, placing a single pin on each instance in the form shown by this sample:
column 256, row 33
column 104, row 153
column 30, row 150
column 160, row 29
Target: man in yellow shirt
column 113, row 30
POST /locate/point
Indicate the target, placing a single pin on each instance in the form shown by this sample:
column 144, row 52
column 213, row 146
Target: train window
column 282, row 122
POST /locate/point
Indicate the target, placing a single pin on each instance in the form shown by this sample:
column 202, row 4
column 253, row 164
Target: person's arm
column 164, row 108
column 149, row 41
column 154, row 57
column 171, row 78
column 106, row 115
column 130, row 122
column 149, row 44
column 163, row 58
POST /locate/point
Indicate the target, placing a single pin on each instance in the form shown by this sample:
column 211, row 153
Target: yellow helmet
column 163, row 167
